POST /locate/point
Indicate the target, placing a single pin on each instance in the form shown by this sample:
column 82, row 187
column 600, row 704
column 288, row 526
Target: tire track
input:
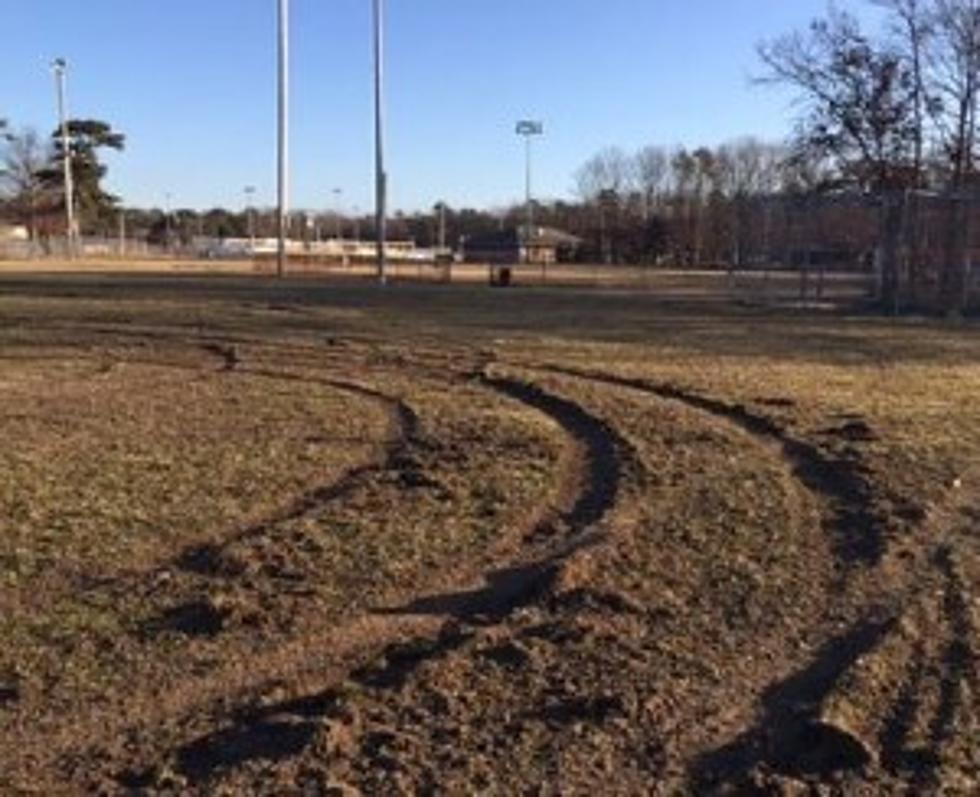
column 792, row 735
column 588, row 491
column 403, row 435
column 894, row 694
column 856, row 528
column 199, row 617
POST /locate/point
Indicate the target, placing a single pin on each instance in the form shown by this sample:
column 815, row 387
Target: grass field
column 323, row 537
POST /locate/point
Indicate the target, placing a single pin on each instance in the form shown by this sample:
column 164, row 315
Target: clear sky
column 192, row 85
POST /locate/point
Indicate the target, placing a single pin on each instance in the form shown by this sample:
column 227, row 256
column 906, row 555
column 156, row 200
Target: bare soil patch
column 321, row 538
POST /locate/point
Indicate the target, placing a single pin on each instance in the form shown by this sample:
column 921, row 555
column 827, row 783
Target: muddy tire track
column 891, row 699
column 588, row 491
column 793, row 734
column 857, row 529
column 210, row 559
column 222, row 560
column 211, row 562
column 403, row 435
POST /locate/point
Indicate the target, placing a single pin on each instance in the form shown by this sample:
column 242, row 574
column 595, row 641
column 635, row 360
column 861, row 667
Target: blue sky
column 192, row 85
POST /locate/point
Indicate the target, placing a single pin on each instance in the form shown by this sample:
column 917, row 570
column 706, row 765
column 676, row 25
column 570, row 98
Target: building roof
column 514, row 237
column 13, row 232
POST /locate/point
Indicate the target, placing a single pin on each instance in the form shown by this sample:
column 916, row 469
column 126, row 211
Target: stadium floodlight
column 283, row 128
column 60, row 69
column 381, row 178
column 168, row 234
column 250, row 210
column 338, row 213
column 528, row 129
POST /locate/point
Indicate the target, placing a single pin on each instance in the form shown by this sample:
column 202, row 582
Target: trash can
column 501, row 277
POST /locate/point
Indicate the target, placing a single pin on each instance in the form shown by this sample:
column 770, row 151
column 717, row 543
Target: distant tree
column 96, row 207
column 912, row 24
column 956, row 82
column 653, row 175
column 652, row 170
column 860, row 98
column 221, row 223
column 24, row 159
column 604, row 182
column 608, row 170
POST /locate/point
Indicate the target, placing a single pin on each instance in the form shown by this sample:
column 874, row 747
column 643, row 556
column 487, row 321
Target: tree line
column 32, row 181
column 894, row 116
column 881, row 166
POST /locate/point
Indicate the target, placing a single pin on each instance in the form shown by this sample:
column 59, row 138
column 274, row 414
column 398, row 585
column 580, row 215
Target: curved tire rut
column 429, row 627
column 857, row 530
column 210, row 560
column 858, row 699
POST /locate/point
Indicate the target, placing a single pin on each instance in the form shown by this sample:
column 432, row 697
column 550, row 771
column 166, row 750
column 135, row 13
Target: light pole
column 380, row 177
column 283, row 154
column 250, row 210
column 441, row 207
column 122, row 232
column 528, row 129
column 338, row 230
column 166, row 222
column 60, row 67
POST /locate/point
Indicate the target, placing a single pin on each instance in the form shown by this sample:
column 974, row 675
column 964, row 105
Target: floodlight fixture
column 380, row 176
column 60, row 68
column 283, row 137
column 528, row 129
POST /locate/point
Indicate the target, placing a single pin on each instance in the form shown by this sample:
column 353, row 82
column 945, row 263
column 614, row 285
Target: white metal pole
column 338, row 219
column 250, row 210
column 527, row 197
column 167, row 224
column 381, row 178
column 528, row 128
column 60, row 70
column 283, row 159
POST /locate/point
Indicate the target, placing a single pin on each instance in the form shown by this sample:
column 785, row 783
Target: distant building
column 10, row 233
column 544, row 246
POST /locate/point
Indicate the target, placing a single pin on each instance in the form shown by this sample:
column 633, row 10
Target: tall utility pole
column 60, row 67
column 166, row 223
column 528, row 129
column 381, row 178
column 250, row 210
column 338, row 229
column 442, row 226
column 283, row 159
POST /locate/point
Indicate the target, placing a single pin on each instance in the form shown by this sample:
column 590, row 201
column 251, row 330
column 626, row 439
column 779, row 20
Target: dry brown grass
column 257, row 536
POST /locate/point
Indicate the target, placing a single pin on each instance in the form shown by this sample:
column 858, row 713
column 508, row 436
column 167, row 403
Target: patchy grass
column 261, row 535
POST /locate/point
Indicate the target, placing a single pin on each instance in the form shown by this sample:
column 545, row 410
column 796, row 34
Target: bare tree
column 24, row 160
column 858, row 97
column 955, row 57
column 653, row 176
column 608, row 170
column 912, row 24
column 954, row 79
column 860, row 114
column 742, row 175
column 604, row 182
